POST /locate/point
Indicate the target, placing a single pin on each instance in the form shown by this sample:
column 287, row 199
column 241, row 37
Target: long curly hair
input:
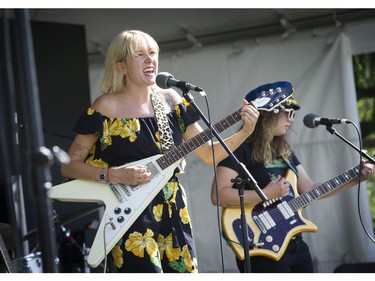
column 266, row 146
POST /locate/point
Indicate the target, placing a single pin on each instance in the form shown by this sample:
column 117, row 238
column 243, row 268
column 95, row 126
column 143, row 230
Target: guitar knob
column 120, row 219
column 127, row 210
column 117, row 210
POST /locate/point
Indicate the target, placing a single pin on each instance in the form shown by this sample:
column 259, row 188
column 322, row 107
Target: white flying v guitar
column 124, row 203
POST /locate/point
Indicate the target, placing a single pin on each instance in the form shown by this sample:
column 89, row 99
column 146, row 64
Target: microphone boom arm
column 364, row 154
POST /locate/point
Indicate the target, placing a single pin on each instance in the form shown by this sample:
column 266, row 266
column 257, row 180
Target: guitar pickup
column 260, row 224
column 116, row 192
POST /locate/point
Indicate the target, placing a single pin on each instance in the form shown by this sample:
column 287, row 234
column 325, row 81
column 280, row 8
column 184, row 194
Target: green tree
column 364, row 72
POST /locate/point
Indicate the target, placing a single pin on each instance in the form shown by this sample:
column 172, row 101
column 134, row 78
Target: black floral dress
column 161, row 239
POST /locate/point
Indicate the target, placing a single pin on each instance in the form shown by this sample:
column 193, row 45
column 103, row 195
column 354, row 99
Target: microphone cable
column 215, row 178
column 359, row 182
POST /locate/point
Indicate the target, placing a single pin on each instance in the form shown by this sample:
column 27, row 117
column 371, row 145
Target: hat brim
column 291, row 103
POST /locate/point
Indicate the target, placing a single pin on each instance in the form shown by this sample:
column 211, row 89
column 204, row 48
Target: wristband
column 107, row 175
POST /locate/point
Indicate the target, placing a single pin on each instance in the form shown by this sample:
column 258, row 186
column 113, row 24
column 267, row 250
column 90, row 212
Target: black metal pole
column 9, row 139
column 40, row 157
column 240, row 185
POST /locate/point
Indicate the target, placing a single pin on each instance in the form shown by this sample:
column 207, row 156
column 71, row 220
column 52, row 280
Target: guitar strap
column 291, row 166
column 165, row 131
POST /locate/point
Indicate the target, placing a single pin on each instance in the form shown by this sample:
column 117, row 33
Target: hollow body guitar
column 124, row 203
column 272, row 224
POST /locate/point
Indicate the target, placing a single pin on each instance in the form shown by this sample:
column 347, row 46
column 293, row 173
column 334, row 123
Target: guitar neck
column 323, row 189
column 185, row 148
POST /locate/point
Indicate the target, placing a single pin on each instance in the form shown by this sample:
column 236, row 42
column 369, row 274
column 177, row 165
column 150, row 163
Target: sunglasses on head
column 291, row 113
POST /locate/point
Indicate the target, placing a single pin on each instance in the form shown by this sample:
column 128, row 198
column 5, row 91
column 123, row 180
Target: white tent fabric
column 319, row 65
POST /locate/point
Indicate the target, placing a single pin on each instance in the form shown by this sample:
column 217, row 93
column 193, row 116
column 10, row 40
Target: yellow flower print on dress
column 96, row 162
column 191, row 265
column 137, row 243
column 158, row 212
column 180, row 120
column 172, row 187
column 184, row 263
column 130, row 129
column 169, row 208
column 185, row 102
column 166, row 245
column 157, row 137
column 178, row 110
column 184, row 214
column 117, row 256
column 90, row 111
column 109, row 128
column 119, row 127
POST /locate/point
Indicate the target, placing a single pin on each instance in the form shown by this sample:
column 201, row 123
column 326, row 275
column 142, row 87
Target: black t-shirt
column 262, row 173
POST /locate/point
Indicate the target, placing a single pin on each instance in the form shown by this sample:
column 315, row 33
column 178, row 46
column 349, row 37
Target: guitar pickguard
column 271, row 228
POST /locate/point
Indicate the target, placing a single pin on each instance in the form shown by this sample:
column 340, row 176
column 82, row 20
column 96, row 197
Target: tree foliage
column 364, row 72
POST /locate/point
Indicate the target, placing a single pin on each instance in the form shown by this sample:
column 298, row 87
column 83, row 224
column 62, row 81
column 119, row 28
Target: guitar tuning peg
column 278, row 89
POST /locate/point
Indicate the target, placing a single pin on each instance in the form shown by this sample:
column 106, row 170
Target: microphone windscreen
column 308, row 120
column 162, row 79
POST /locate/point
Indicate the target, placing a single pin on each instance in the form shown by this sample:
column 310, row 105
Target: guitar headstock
column 269, row 100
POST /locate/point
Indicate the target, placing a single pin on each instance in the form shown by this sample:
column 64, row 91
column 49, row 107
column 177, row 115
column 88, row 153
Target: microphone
column 311, row 121
column 166, row 80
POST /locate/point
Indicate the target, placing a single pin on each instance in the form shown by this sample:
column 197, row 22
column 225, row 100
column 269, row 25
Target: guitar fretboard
column 185, row 148
column 321, row 190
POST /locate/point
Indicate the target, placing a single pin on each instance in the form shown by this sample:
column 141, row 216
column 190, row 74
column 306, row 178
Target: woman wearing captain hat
column 269, row 158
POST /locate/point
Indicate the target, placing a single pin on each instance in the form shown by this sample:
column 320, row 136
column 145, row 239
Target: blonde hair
column 266, row 147
column 125, row 44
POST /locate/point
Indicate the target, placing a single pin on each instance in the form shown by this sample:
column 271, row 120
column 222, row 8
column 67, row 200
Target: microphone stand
column 334, row 132
column 244, row 177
